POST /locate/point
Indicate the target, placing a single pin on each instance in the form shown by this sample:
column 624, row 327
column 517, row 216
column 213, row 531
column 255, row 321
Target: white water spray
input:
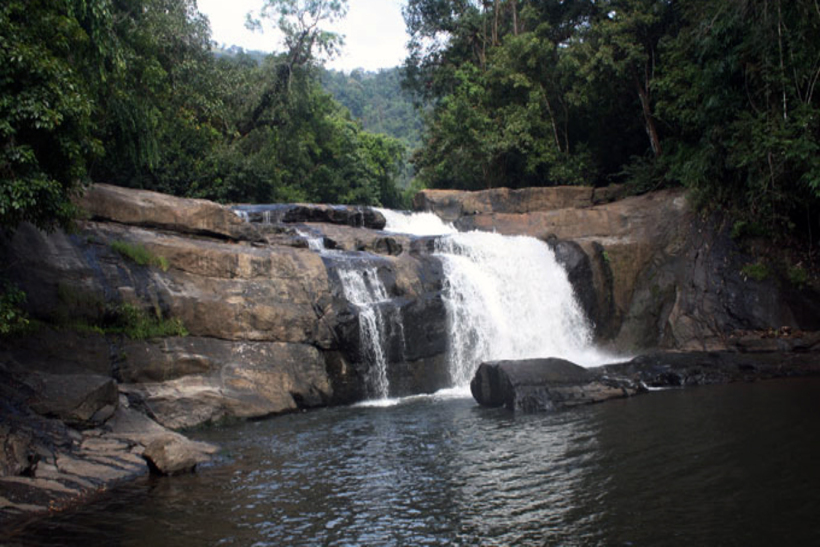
column 363, row 288
column 506, row 298
column 417, row 224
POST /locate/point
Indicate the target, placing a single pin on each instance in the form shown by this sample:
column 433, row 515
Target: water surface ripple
column 726, row 465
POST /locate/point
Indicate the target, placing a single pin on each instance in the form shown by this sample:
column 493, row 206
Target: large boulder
column 533, row 385
column 148, row 209
column 167, row 452
column 453, row 205
column 188, row 382
column 294, row 213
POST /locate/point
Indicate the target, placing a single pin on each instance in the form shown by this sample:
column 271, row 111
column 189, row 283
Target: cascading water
column 363, row 289
column 506, row 298
column 378, row 321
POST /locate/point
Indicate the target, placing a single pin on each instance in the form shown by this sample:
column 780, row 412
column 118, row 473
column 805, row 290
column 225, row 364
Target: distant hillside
column 374, row 98
column 236, row 52
column 377, row 99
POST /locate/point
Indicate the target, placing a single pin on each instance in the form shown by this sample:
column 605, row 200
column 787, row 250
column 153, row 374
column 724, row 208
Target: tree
column 299, row 22
column 739, row 85
column 46, row 132
column 621, row 46
column 161, row 108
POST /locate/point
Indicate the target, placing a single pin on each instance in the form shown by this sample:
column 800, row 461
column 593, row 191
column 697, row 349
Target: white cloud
column 374, row 31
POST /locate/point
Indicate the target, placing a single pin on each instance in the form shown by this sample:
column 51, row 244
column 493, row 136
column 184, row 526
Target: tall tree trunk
column 553, row 123
column 495, row 22
column 514, row 7
column 782, row 66
column 649, row 120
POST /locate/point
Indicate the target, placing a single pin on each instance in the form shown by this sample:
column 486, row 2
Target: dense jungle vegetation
column 129, row 92
column 715, row 96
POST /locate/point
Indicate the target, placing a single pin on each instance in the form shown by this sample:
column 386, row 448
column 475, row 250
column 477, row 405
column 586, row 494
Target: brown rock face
column 104, row 202
column 452, row 205
column 186, row 382
column 662, row 276
column 270, row 329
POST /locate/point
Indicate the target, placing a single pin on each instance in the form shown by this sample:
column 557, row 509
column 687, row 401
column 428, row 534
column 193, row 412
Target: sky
column 374, row 31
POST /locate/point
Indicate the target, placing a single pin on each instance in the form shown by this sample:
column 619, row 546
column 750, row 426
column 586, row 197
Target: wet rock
column 79, row 400
column 680, row 369
column 579, row 271
column 291, row 213
column 425, row 375
column 542, row 385
column 170, row 456
column 552, row 384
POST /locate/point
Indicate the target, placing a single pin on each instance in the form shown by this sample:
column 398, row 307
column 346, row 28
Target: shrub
column 757, row 271
column 137, row 253
column 13, row 319
column 798, row 275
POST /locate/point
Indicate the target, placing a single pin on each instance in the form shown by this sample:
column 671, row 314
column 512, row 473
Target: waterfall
column 417, row 224
column 363, row 288
column 378, row 320
column 506, row 298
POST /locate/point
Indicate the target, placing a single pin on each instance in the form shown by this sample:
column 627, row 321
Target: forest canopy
column 129, row 92
column 718, row 97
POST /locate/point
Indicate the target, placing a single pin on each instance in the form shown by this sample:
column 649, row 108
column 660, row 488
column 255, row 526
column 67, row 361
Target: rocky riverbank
column 539, row 385
column 160, row 314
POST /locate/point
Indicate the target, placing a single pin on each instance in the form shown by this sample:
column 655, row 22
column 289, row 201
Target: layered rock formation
column 269, row 330
column 93, row 394
column 649, row 272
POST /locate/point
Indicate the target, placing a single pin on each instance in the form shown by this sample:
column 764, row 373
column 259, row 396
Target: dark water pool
column 723, row 465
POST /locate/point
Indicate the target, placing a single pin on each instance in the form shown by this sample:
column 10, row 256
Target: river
column 720, row 465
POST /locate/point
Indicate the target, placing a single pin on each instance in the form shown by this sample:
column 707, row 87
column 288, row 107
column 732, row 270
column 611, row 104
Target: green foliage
column 126, row 320
column 13, row 318
column 46, row 135
column 757, row 271
column 798, row 275
column 137, row 253
column 129, row 93
column 719, row 97
column 85, row 311
column 138, row 325
column 746, row 228
column 738, row 88
column 377, row 100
